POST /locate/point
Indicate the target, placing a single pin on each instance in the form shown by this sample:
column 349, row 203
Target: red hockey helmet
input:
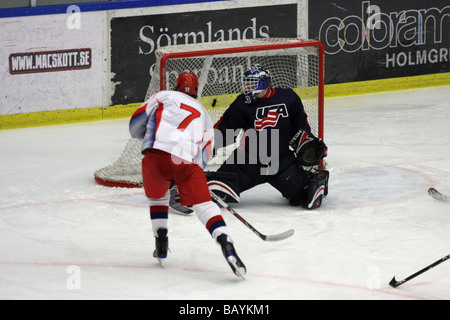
column 187, row 83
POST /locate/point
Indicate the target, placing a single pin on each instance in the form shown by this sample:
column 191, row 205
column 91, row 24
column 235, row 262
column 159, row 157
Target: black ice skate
column 162, row 245
column 232, row 258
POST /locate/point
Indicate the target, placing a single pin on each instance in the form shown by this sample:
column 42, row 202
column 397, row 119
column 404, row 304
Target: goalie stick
column 274, row 237
column 395, row 283
column 437, row 195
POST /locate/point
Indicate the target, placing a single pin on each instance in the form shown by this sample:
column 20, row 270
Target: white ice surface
column 385, row 151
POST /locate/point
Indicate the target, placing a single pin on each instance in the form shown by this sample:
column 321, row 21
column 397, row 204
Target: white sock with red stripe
column 209, row 214
column 159, row 212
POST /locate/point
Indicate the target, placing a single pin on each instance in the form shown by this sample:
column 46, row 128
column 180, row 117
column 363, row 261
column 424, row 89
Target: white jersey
column 176, row 123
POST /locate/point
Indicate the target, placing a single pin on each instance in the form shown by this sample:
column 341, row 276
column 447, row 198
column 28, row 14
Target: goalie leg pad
column 321, row 175
column 292, row 182
column 225, row 185
column 316, row 193
column 317, row 189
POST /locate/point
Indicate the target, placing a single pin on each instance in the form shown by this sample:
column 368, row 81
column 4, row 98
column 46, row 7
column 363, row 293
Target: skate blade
column 161, row 262
column 239, row 271
column 160, row 259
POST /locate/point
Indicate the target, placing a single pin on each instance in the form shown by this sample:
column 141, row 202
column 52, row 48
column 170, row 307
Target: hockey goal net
column 293, row 63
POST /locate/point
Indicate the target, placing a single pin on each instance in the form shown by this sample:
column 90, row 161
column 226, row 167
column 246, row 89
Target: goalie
column 277, row 146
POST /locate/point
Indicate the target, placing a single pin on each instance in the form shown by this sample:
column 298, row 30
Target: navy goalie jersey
column 272, row 120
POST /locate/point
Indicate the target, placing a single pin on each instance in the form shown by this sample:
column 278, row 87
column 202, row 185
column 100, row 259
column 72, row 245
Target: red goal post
column 292, row 62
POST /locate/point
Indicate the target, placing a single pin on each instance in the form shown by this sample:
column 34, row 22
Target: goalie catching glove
column 308, row 149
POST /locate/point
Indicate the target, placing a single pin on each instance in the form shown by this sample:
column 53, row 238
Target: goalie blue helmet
column 256, row 79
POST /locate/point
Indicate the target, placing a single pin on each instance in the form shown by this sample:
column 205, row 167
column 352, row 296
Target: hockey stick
column 274, row 237
column 437, row 195
column 394, row 283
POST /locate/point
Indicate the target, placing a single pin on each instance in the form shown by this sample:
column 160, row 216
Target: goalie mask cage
column 293, row 63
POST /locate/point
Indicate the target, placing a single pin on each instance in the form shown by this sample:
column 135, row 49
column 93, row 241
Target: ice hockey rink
column 65, row 237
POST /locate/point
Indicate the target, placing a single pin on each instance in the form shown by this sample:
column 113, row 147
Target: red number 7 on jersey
column 194, row 114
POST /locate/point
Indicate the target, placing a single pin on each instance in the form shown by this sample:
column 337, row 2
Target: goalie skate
column 175, row 203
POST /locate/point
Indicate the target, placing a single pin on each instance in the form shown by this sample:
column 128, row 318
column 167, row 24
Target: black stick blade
column 394, row 283
column 438, row 195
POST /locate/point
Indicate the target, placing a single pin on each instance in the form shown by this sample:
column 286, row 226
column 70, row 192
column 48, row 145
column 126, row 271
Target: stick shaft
column 396, row 283
column 264, row 237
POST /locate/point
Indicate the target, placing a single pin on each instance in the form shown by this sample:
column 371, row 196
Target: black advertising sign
column 135, row 39
column 369, row 40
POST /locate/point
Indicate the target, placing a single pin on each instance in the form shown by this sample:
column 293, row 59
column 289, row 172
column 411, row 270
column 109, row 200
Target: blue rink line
column 94, row 6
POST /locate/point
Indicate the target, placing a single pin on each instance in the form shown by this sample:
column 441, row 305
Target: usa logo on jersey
column 268, row 116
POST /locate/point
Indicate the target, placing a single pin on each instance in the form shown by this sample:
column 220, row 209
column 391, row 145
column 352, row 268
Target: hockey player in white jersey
column 177, row 141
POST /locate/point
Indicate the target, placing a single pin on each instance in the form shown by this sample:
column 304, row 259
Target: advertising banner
column 135, row 39
column 379, row 39
column 47, row 61
column 51, row 62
